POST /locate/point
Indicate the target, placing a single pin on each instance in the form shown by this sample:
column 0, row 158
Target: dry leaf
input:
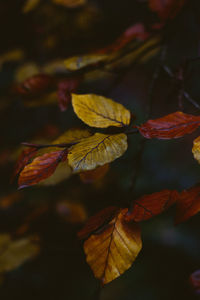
column 97, row 221
column 151, row 205
column 16, row 252
column 112, row 251
column 196, row 149
column 41, row 168
column 96, row 150
column 174, row 125
column 101, row 112
column 79, row 62
column 94, row 175
column 188, row 204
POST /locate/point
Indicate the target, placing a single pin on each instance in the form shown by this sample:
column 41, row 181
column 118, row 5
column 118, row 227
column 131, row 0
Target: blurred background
column 37, row 37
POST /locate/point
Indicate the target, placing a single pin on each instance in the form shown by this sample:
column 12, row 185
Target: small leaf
column 94, row 175
column 101, row 112
column 79, row 62
column 172, row 126
column 16, row 252
column 111, row 252
column 41, row 168
column 196, row 149
column 151, row 205
column 188, row 204
column 97, row 221
column 96, row 150
column 65, row 87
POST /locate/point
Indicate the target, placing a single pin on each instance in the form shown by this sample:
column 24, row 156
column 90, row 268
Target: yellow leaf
column 78, row 62
column 101, row 112
column 196, row 149
column 111, row 252
column 96, row 150
column 72, row 135
column 14, row 253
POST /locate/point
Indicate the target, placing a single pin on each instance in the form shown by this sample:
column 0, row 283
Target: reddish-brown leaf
column 151, row 205
column 195, row 281
column 172, row 126
column 41, row 168
column 166, row 9
column 98, row 221
column 94, row 175
column 23, row 160
column 188, row 204
column 35, row 85
column 65, row 87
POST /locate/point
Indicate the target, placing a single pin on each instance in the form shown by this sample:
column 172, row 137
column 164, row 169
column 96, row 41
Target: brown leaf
column 65, row 87
column 151, row 205
column 188, row 204
column 166, row 9
column 23, row 160
column 71, row 212
column 112, row 251
column 174, row 125
column 41, row 168
column 97, row 221
column 94, row 175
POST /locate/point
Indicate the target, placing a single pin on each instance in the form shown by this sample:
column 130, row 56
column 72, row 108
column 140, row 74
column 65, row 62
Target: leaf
column 94, row 175
column 65, row 87
column 96, row 150
column 151, row 205
column 41, row 168
column 79, row 62
column 188, row 204
column 174, row 125
column 10, row 199
column 70, row 3
column 166, row 9
column 101, row 112
column 23, row 160
column 195, row 281
column 14, row 55
column 14, row 253
column 196, row 149
column 30, row 5
column 97, row 221
column 71, row 212
column 111, row 252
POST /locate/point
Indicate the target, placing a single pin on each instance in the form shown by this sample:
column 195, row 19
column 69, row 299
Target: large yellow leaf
column 196, row 149
column 101, row 112
column 96, row 150
column 111, row 252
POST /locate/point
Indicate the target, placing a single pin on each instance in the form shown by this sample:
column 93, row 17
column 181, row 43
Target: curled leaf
column 41, row 168
column 112, row 251
column 101, row 112
column 151, row 205
column 188, row 204
column 96, row 150
column 172, row 126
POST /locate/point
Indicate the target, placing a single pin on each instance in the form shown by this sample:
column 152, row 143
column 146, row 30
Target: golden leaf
column 196, row 149
column 101, row 112
column 111, row 252
column 78, row 62
column 14, row 253
column 72, row 135
column 96, row 150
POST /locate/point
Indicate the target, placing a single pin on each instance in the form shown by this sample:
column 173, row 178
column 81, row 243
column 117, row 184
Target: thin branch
column 41, row 146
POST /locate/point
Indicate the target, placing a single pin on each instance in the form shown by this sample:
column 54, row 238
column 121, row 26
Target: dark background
column 170, row 253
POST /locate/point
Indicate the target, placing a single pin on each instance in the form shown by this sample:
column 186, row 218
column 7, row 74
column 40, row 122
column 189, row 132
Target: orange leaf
column 166, row 9
column 94, row 175
column 188, row 204
column 172, row 126
column 41, row 168
column 151, row 205
column 97, row 221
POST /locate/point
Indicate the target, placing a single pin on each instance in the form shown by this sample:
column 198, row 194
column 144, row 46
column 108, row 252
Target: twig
column 40, row 146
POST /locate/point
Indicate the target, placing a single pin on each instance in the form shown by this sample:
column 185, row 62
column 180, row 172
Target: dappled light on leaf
column 172, row 126
column 113, row 250
column 101, row 112
column 96, row 150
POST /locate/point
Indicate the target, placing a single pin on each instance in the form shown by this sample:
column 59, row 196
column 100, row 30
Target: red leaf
column 23, row 160
column 41, row 168
column 188, row 204
column 195, row 281
column 174, row 125
column 65, row 87
column 92, row 176
column 151, row 205
column 166, row 9
column 97, row 221
column 35, row 85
